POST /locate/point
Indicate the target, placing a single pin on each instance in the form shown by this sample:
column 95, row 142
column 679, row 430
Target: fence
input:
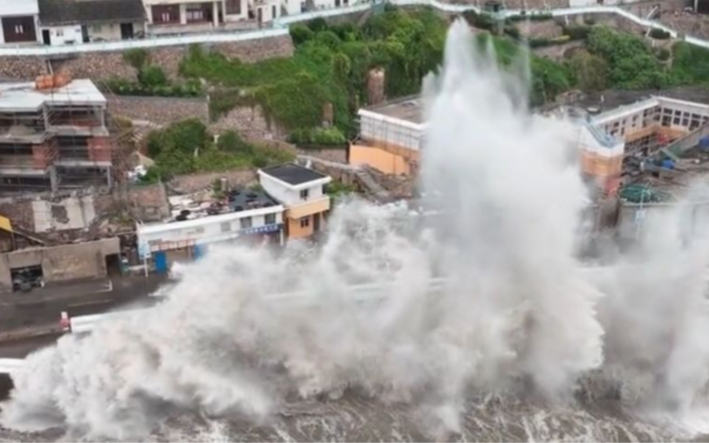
column 279, row 28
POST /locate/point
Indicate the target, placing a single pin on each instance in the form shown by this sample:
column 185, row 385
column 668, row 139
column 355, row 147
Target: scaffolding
column 64, row 143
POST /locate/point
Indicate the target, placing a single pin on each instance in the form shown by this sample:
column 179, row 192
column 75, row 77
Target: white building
column 251, row 215
column 19, row 21
column 178, row 16
column 301, row 191
column 68, row 22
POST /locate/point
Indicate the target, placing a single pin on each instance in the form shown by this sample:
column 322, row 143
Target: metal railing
column 279, row 27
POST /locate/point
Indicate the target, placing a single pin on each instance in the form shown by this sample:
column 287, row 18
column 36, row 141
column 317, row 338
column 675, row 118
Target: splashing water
column 497, row 354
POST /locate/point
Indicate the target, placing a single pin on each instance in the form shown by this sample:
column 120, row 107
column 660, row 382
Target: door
column 85, row 34
column 160, row 262
column 316, row 223
column 46, row 38
column 126, row 31
column 18, row 29
column 260, row 15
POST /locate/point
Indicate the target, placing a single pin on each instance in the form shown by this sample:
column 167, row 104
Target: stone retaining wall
column 159, row 110
column 99, row 66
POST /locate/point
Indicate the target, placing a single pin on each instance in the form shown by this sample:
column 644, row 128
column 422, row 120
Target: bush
column 301, row 34
column 480, row 21
column 137, row 58
column 318, row 136
column 540, row 17
column 659, row 34
column 152, row 76
column 232, row 142
column 577, row 32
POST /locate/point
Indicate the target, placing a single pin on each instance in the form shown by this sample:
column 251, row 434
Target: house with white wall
column 301, row 191
column 178, row 16
column 249, row 215
column 19, row 22
column 67, row 22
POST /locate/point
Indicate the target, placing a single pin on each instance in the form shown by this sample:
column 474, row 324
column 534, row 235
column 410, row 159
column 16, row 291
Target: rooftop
column 409, row 109
column 609, row 100
column 293, row 174
column 25, row 97
column 62, row 12
column 197, row 206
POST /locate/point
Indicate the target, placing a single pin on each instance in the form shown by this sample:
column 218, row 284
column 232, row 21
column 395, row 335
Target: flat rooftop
column 293, row 174
column 19, row 97
column 409, row 109
column 610, row 100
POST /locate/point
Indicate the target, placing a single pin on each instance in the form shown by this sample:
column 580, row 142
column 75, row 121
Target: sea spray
column 516, row 304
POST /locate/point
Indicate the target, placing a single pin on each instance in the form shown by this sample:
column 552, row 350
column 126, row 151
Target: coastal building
column 240, row 215
column 301, row 191
column 19, row 21
column 67, row 22
column 53, row 135
column 390, row 137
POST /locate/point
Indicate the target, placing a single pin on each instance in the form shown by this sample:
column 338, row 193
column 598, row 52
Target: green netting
column 643, row 194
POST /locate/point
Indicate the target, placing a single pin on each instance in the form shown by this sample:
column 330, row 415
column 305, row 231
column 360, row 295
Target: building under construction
column 53, row 135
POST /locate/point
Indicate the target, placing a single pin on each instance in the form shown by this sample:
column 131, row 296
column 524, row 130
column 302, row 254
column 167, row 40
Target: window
column 305, row 222
column 60, row 33
column 233, row 7
column 245, row 222
column 270, row 219
column 304, row 194
column 273, row 12
column 19, row 29
column 676, row 121
column 96, row 28
column 226, row 226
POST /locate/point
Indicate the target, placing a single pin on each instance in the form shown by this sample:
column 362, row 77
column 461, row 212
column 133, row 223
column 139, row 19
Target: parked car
column 25, row 282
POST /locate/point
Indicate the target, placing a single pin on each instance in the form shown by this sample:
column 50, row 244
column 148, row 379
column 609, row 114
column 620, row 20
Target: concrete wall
column 379, row 159
column 60, row 263
column 111, row 31
column 295, row 228
column 196, row 182
column 159, row 110
column 64, row 35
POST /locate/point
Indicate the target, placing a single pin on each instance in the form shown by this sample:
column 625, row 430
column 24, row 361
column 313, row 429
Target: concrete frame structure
column 653, row 122
column 53, row 138
column 301, row 191
column 19, row 22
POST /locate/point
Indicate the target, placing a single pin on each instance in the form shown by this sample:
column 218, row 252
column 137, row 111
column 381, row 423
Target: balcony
column 307, row 208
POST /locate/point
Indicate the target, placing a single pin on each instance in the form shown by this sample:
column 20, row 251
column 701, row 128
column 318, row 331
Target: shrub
column 152, row 76
column 480, row 21
column 577, row 32
column 301, row 34
column 137, row 58
column 659, row 34
column 317, row 136
column 540, row 17
column 232, row 142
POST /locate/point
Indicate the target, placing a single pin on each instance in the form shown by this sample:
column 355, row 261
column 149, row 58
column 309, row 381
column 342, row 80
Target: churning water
column 521, row 343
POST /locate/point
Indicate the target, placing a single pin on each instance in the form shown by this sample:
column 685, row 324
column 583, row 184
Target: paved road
column 31, row 320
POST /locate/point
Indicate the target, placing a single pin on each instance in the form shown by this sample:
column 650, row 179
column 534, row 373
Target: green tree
column 590, row 71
